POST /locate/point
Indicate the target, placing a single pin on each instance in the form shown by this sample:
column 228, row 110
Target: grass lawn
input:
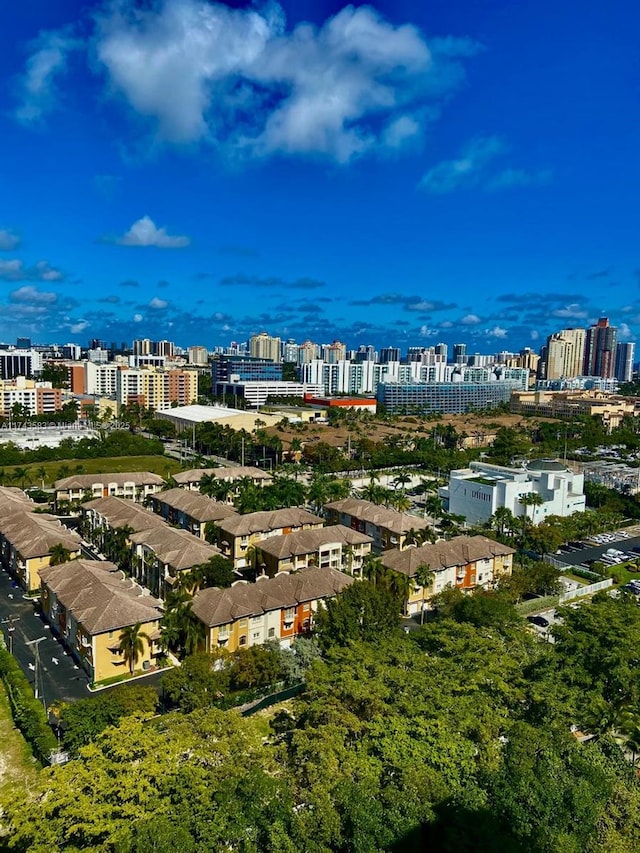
column 17, row 766
column 162, row 465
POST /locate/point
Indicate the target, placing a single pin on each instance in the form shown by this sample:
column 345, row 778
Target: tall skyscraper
column 624, row 362
column 265, row 346
column 388, row 354
column 600, row 349
column 459, row 353
column 565, row 354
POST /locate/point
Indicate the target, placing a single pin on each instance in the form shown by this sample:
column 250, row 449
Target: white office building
column 478, row 491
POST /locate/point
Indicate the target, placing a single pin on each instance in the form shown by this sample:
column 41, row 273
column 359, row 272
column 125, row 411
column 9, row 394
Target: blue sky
column 397, row 174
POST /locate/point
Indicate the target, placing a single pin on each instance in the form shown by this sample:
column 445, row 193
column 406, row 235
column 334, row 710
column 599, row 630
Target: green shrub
column 27, row 712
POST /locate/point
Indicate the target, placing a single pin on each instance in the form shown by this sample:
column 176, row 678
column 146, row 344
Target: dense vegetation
column 455, row 737
column 115, row 443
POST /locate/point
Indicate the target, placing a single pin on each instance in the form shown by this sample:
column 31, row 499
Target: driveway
column 59, row 677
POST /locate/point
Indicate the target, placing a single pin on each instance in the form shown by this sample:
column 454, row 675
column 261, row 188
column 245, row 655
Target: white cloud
column 9, row 240
column 78, row 327
column 37, row 85
column 158, row 304
column 138, row 318
column 624, row 331
column 570, row 312
column 475, row 167
column 470, row 320
column 236, row 77
column 535, row 334
column 15, row 270
column 467, row 170
column 427, row 332
column 497, row 332
column 31, row 294
column 144, row 232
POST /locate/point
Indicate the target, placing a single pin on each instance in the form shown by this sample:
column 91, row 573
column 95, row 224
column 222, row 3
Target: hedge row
column 27, row 712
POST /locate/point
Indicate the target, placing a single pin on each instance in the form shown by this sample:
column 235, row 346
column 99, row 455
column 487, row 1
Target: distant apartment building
column 600, row 349
column 19, row 362
column 387, row 528
column 156, row 389
column 610, row 408
column 333, row 353
column 265, row 346
column 134, row 486
column 198, row 356
column 624, row 362
column 189, row 509
column 445, row 397
column 565, row 354
column 243, row 368
column 35, row 398
column 478, row 491
column 256, row 393
column 191, row 479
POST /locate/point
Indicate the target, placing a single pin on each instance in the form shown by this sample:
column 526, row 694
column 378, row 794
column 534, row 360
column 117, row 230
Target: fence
column 586, row 590
column 272, row 699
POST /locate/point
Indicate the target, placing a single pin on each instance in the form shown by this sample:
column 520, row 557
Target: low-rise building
column 191, row 479
column 466, row 563
column 189, row 509
column 163, row 553
column 236, row 534
column 478, row 491
column 26, row 542
column 112, row 513
column 334, row 547
column 89, row 603
column 610, row 408
column 388, row 528
column 280, row 608
column 135, row 486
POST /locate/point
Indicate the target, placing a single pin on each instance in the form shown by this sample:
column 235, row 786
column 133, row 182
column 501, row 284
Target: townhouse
column 335, row 547
column 189, row 509
column 89, row 604
column 466, row 563
column 26, row 541
column 111, row 513
column 162, row 553
column 388, row 528
column 279, row 608
column 134, row 486
column 239, row 535
column 191, row 479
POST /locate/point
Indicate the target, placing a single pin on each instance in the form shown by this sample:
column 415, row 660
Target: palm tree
column 532, row 499
column 59, row 554
column 131, row 644
column 41, row 473
column 373, row 568
column 502, row 520
column 433, row 506
column 424, row 578
column 20, row 474
column 400, row 502
column 401, row 479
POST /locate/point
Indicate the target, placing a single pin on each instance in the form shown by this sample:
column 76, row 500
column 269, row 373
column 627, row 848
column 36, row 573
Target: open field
column 17, row 766
column 162, row 465
column 479, row 426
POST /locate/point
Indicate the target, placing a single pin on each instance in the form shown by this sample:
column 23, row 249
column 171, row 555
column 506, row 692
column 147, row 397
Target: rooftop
column 444, row 554
column 260, row 522
column 222, row 606
column 194, row 504
column 302, row 542
column 87, row 481
column 391, row 519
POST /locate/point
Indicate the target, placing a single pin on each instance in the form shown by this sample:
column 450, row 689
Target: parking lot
column 544, row 631
column 609, row 548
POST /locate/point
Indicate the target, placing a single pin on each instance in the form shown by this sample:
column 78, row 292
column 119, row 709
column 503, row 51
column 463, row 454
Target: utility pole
column 10, row 630
column 38, row 694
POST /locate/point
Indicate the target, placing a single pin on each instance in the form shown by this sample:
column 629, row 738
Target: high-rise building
column 565, row 354
column 388, row 354
column 333, row 353
column 265, row 346
column 198, row 355
column 624, row 362
column 459, row 353
column 600, row 349
column 290, row 351
column 308, row 352
column 23, row 343
column 19, row 363
column 366, row 353
column 442, row 349
column 143, row 347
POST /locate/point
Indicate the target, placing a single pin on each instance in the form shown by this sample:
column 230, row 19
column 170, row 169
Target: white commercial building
column 478, row 491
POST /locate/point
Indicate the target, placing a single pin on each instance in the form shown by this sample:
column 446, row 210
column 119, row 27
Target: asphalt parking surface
column 579, row 557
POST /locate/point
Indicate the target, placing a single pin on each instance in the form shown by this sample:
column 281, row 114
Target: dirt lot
column 480, row 429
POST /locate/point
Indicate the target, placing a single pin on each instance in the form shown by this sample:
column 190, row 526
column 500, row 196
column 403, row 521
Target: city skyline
column 385, row 175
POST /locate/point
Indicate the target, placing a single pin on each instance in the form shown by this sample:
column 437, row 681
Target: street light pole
column 10, row 630
column 36, row 654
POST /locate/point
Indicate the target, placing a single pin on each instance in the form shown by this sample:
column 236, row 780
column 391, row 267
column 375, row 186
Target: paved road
column 59, row 678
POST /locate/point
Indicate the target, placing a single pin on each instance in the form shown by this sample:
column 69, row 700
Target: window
column 256, row 635
column 272, row 632
column 243, row 640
